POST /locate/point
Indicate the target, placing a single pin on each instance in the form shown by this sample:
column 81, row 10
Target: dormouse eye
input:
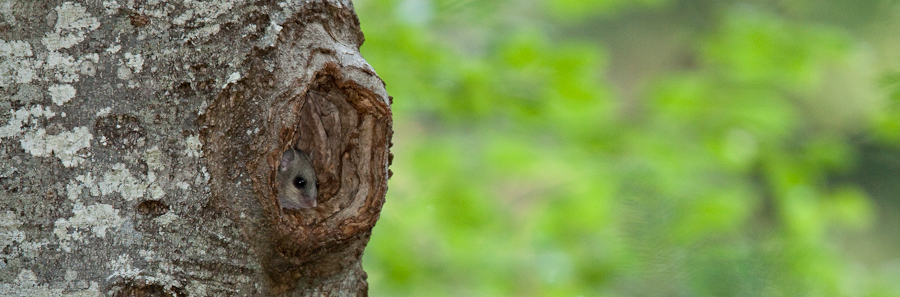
column 299, row 182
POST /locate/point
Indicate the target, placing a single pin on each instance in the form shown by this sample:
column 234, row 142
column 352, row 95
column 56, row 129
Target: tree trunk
column 140, row 139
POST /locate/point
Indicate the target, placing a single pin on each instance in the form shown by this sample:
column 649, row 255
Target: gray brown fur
column 296, row 165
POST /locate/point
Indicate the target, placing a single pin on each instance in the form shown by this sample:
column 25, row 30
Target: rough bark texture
column 139, row 142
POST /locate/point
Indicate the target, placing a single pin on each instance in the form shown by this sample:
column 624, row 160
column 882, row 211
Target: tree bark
column 139, row 143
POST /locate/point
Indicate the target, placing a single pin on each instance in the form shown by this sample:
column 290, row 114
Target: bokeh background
column 638, row 148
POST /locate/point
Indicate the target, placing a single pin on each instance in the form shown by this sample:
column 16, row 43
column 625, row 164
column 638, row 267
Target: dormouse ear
column 305, row 155
column 286, row 158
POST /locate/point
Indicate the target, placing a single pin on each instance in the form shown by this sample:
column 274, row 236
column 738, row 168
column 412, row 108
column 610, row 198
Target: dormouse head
column 297, row 186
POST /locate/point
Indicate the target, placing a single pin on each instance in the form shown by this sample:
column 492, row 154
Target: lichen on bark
column 138, row 141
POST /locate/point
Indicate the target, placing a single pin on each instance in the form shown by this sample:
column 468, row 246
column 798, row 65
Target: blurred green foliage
column 635, row 148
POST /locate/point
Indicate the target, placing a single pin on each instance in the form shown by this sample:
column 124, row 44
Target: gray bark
column 139, row 141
